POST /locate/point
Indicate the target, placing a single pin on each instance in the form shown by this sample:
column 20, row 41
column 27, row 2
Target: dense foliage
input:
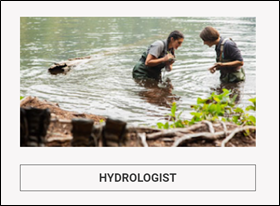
column 215, row 108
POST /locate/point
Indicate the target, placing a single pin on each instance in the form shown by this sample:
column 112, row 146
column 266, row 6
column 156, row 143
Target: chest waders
column 141, row 71
column 229, row 74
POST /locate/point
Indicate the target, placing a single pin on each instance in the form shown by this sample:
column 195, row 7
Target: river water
column 104, row 86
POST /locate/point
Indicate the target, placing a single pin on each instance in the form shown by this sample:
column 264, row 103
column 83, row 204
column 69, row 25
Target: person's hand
column 218, row 65
column 168, row 58
column 170, row 61
column 168, row 67
column 212, row 69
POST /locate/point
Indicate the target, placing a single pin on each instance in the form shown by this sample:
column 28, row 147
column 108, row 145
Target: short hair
column 209, row 34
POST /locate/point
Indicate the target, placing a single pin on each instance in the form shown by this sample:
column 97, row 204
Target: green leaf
column 235, row 119
column 160, row 125
column 253, row 100
column 252, row 119
column 214, row 118
column 179, row 124
column 233, row 98
column 238, row 110
column 212, row 108
column 205, row 106
column 196, row 114
column 21, row 97
column 217, row 99
column 173, row 109
column 219, row 110
column 226, row 92
column 166, row 126
column 221, row 96
column 200, row 101
column 250, row 107
column 178, row 117
column 191, row 123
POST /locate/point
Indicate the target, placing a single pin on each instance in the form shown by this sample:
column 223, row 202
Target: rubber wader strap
column 222, row 48
column 164, row 46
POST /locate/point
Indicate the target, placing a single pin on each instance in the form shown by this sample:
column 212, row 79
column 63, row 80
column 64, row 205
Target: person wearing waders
column 228, row 57
column 159, row 55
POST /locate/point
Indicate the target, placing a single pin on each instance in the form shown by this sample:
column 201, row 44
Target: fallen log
column 65, row 66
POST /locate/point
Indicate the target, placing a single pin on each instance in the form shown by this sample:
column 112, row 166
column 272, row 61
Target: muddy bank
column 59, row 130
column 88, row 130
column 56, row 111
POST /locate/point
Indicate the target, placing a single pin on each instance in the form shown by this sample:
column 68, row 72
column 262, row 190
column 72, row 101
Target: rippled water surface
column 103, row 85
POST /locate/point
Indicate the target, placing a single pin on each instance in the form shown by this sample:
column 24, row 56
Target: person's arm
column 231, row 52
column 220, row 65
column 153, row 61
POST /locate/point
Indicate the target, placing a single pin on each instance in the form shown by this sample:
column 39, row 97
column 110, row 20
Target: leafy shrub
column 215, row 108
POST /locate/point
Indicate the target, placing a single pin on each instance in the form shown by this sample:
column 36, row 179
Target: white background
column 265, row 155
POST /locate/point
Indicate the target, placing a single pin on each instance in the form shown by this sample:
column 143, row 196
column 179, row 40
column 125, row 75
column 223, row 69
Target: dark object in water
column 58, row 68
column 65, row 66
column 34, row 124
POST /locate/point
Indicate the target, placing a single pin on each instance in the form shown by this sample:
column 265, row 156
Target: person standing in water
column 228, row 56
column 159, row 55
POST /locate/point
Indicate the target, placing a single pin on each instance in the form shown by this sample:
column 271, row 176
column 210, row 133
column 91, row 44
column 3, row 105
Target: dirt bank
column 203, row 134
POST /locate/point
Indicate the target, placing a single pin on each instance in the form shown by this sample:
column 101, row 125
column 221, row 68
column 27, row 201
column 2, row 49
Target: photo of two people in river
column 140, row 103
column 203, row 95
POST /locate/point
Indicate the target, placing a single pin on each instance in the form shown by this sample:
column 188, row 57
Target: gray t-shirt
column 158, row 49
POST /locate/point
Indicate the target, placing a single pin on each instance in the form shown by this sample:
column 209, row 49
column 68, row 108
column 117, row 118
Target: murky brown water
column 104, row 85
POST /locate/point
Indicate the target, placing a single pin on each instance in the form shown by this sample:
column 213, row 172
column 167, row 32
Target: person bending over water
column 159, row 55
column 228, row 57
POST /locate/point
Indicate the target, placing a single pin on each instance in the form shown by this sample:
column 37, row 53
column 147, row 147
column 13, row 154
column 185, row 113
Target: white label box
column 137, row 177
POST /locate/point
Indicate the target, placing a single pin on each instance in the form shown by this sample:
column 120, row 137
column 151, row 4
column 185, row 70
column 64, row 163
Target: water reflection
column 157, row 92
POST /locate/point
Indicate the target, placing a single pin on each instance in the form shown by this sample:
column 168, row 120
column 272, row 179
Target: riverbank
column 201, row 134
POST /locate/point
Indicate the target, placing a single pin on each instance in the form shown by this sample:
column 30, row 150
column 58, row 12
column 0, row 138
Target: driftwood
column 65, row 66
column 214, row 136
column 228, row 138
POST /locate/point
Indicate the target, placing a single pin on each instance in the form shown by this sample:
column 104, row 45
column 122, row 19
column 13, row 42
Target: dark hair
column 209, row 34
column 176, row 35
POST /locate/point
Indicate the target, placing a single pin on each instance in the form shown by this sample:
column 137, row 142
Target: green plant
column 177, row 122
column 252, row 107
column 242, row 118
column 214, row 108
column 21, row 97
